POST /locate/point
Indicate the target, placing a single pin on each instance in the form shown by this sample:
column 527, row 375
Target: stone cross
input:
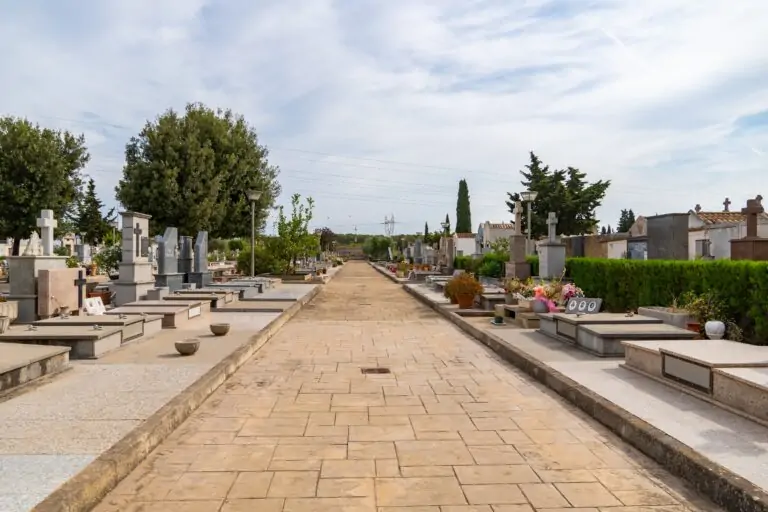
column 47, row 224
column 552, row 226
column 726, row 205
column 80, row 282
column 518, row 218
column 753, row 209
column 137, row 231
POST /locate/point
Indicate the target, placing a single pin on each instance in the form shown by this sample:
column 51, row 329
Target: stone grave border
column 723, row 487
column 86, row 489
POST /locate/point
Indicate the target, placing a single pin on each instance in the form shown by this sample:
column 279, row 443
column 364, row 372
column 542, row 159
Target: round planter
column 219, row 329
column 465, row 300
column 187, row 347
column 539, row 306
column 715, row 329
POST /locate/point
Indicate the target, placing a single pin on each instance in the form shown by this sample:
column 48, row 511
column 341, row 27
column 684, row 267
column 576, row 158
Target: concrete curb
column 385, row 273
column 86, row 489
column 720, row 485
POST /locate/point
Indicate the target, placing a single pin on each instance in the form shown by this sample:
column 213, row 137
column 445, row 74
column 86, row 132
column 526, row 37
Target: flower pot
column 693, row 326
column 539, row 306
column 715, row 329
column 187, row 347
column 453, row 299
column 510, row 299
column 465, row 300
column 219, row 329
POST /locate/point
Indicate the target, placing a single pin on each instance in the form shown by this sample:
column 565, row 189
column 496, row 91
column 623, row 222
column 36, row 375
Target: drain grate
column 374, row 370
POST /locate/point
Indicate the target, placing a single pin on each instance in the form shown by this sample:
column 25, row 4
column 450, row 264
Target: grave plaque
column 583, row 306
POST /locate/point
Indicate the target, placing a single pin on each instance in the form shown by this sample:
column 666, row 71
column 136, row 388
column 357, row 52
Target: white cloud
column 647, row 94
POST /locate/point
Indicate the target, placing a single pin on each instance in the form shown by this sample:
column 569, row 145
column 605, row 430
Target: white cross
column 552, row 224
column 47, row 224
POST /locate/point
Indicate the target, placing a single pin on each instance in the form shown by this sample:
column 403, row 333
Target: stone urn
column 539, row 306
column 220, row 329
column 187, row 347
column 715, row 329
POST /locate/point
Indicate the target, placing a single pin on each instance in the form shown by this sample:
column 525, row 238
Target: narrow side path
column 445, row 427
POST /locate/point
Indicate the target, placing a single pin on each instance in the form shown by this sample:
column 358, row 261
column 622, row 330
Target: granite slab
column 720, row 353
column 604, row 318
column 636, row 331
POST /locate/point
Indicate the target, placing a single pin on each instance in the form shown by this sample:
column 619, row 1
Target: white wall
column 466, row 246
column 720, row 237
column 617, row 249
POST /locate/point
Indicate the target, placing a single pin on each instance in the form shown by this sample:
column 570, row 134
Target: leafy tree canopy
column 564, row 192
column 89, row 221
column 294, row 240
column 626, row 220
column 463, row 214
column 192, row 171
column 40, row 169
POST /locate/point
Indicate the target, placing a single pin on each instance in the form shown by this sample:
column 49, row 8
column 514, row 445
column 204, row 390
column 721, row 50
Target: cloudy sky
column 379, row 107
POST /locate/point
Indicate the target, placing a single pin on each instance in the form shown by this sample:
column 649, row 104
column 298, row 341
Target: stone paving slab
column 448, row 428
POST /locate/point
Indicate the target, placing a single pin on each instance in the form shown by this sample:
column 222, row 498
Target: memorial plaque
column 686, row 372
column 583, row 306
column 566, row 329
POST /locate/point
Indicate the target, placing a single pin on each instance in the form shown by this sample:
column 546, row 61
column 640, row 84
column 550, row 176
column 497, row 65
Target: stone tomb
column 60, row 288
column 223, row 295
column 21, row 363
column 730, row 373
column 85, row 342
column 216, row 300
column 133, row 326
column 567, row 325
column 135, row 270
column 604, row 340
column 175, row 314
column 195, row 307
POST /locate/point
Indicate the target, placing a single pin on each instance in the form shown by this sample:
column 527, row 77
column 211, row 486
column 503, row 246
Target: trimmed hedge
column 628, row 284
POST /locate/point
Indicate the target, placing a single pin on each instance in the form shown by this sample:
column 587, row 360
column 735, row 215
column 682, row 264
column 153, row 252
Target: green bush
column 464, row 263
column 236, row 244
column 742, row 286
column 264, row 262
column 534, row 261
column 492, row 265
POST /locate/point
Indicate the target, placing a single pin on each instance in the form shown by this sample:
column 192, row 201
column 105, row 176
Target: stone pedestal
column 23, row 271
column 201, row 279
column 551, row 260
column 171, row 281
column 134, row 282
column 158, row 293
column 749, row 249
column 517, row 267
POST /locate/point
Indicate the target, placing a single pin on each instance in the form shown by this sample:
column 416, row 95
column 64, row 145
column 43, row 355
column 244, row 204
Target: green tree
column 40, row 169
column 447, row 229
column 376, row 247
column 294, row 240
column 564, row 192
column 626, row 219
column 89, row 221
column 463, row 214
column 326, row 239
column 192, row 171
column 426, row 231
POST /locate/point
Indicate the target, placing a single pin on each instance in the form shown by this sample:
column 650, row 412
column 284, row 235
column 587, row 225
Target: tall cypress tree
column 463, row 215
column 426, row 231
column 448, row 224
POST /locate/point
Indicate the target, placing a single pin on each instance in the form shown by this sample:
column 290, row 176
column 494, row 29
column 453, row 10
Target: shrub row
column 628, row 284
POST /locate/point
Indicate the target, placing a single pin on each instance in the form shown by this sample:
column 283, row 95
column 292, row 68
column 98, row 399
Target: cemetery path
column 447, row 427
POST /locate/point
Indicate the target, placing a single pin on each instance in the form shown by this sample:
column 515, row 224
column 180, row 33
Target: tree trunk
column 16, row 246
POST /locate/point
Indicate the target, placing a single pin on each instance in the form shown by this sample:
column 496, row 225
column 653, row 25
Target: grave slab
column 195, row 307
column 745, row 389
column 173, row 316
column 692, row 364
column 604, row 340
column 21, row 363
column 85, row 342
column 227, row 295
column 215, row 300
column 134, row 326
column 567, row 326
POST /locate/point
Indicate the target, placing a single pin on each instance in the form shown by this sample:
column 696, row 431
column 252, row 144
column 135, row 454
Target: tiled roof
column 502, row 226
column 721, row 217
column 465, row 235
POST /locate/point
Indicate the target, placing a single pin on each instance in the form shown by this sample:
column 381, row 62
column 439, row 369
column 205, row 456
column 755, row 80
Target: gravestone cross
column 726, row 205
column 80, row 282
column 518, row 218
column 47, row 224
column 753, row 209
column 552, row 226
column 137, row 231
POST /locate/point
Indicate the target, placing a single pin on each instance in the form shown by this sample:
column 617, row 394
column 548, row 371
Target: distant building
column 490, row 232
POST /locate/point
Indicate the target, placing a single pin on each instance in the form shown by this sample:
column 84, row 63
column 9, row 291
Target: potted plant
column 512, row 288
column 704, row 308
column 465, row 288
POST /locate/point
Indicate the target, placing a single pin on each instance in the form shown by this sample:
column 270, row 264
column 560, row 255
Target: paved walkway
column 450, row 428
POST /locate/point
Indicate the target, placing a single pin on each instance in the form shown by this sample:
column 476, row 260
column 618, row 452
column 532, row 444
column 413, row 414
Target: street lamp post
column 529, row 196
column 253, row 196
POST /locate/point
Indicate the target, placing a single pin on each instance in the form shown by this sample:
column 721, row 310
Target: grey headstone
column 168, row 252
column 201, row 252
column 185, row 258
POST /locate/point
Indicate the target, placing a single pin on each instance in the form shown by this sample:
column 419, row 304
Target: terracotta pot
column 693, row 326
column 465, row 300
column 454, row 300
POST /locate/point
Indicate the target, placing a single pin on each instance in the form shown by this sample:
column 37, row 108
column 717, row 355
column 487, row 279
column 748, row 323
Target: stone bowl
column 187, row 347
column 220, row 329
